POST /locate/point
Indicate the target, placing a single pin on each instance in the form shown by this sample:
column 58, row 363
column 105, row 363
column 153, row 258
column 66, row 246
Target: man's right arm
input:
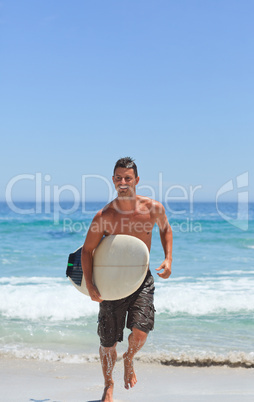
column 94, row 235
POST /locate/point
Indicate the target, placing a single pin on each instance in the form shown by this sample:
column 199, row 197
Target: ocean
column 204, row 311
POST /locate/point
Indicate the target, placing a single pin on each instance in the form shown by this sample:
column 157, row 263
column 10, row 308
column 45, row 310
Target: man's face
column 125, row 182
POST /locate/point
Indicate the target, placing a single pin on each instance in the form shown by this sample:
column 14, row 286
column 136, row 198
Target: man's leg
column 136, row 340
column 108, row 358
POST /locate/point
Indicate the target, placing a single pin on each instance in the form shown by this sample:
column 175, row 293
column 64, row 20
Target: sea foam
column 205, row 296
column 55, row 299
column 198, row 359
column 35, row 298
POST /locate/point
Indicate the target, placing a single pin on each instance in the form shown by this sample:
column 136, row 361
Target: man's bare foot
column 130, row 378
column 108, row 393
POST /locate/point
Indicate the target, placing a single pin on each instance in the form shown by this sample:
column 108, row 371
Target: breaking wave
column 199, row 359
column 55, row 299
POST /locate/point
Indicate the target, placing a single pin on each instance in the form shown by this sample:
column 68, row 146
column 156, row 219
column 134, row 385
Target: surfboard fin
column 74, row 268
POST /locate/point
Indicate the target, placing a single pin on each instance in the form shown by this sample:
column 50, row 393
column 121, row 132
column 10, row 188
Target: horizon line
column 106, row 202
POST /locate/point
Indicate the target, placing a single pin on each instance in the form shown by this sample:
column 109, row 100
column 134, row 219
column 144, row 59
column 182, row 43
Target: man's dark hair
column 127, row 163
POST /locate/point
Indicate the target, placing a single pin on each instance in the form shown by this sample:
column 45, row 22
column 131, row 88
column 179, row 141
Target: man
column 133, row 215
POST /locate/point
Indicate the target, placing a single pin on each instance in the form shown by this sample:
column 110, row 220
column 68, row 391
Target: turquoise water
column 204, row 311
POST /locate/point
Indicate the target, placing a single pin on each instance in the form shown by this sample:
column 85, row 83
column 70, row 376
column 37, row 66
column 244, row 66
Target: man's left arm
column 166, row 236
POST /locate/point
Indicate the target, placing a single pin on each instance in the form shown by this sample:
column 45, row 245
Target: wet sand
column 40, row 381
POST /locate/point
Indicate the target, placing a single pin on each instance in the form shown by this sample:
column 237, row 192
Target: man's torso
column 138, row 223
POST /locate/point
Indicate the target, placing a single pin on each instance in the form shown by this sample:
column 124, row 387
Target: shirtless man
column 133, row 215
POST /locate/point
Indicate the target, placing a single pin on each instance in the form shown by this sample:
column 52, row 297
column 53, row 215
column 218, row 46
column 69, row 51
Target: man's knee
column 107, row 349
column 138, row 335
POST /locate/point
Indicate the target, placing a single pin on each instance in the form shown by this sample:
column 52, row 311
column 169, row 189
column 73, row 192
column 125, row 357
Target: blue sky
column 169, row 83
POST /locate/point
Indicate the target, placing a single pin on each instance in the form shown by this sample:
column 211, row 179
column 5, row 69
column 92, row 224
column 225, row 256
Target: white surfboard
column 120, row 264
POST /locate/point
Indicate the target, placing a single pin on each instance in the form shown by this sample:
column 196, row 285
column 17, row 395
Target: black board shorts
column 140, row 308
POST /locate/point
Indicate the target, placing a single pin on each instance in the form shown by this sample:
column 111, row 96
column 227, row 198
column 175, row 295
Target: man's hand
column 94, row 293
column 166, row 266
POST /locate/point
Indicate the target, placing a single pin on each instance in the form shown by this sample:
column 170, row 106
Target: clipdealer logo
column 241, row 186
column 48, row 197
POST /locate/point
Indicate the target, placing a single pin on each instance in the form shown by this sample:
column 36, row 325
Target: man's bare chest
column 135, row 224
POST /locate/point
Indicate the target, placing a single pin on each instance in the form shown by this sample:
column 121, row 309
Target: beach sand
column 33, row 380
